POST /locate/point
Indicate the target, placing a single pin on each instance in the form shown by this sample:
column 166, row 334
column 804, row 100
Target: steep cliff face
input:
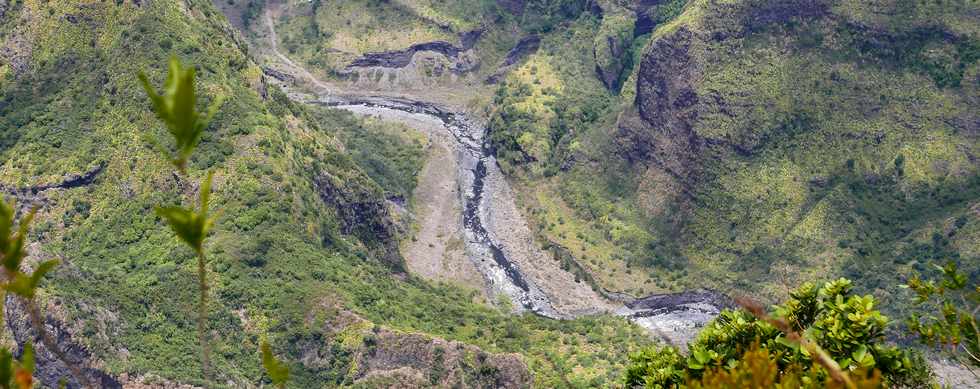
column 667, row 104
column 50, row 369
column 612, row 43
column 751, row 116
column 671, row 100
column 676, row 97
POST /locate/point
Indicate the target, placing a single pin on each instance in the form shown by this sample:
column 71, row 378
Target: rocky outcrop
column 384, row 358
column 68, row 182
column 523, row 49
column 401, row 58
column 362, row 213
column 468, row 39
column 34, row 195
column 417, row 66
column 438, row 57
column 49, row 370
column 611, row 45
column 279, row 75
column 433, row 362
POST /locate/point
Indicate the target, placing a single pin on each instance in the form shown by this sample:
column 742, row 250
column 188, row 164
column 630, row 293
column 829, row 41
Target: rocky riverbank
column 500, row 246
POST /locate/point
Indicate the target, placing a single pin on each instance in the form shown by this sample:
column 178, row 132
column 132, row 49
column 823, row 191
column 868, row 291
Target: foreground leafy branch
column 192, row 228
column 278, row 371
column 24, row 287
column 955, row 327
column 795, row 340
column 176, row 107
column 825, row 335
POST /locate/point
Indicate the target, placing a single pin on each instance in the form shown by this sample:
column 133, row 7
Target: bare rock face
column 666, row 95
column 661, row 129
column 49, row 370
column 363, row 214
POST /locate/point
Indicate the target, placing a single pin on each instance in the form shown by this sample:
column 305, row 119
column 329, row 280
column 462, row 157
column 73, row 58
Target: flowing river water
column 474, row 165
column 675, row 317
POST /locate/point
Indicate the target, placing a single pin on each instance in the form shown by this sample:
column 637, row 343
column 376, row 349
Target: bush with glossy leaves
column 830, row 319
column 957, row 302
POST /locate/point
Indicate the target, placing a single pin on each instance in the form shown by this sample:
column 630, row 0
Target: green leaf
column 859, row 354
column 701, row 356
column 12, row 245
column 20, row 285
column 27, row 359
column 191, row 227
column 206, row 192
column 6, row 368
column 788, row 343
column 6, row 226
column 278, row 371
column 176, row 107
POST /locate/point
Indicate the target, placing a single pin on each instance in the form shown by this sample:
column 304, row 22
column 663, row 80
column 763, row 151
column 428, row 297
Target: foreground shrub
column 820, row 337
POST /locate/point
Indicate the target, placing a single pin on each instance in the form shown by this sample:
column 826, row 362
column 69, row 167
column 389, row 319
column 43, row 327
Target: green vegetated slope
column 756, row 144
column 821, row 138
column 287, row 248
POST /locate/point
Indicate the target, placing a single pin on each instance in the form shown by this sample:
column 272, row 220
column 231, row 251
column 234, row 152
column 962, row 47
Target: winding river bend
column 497, row 240
column 475, row 163
column 674, row 317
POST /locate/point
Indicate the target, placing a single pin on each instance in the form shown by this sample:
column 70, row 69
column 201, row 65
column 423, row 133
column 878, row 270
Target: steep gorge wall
column 769, row 134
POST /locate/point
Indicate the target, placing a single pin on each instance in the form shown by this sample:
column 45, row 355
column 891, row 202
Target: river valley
column 497, row 241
